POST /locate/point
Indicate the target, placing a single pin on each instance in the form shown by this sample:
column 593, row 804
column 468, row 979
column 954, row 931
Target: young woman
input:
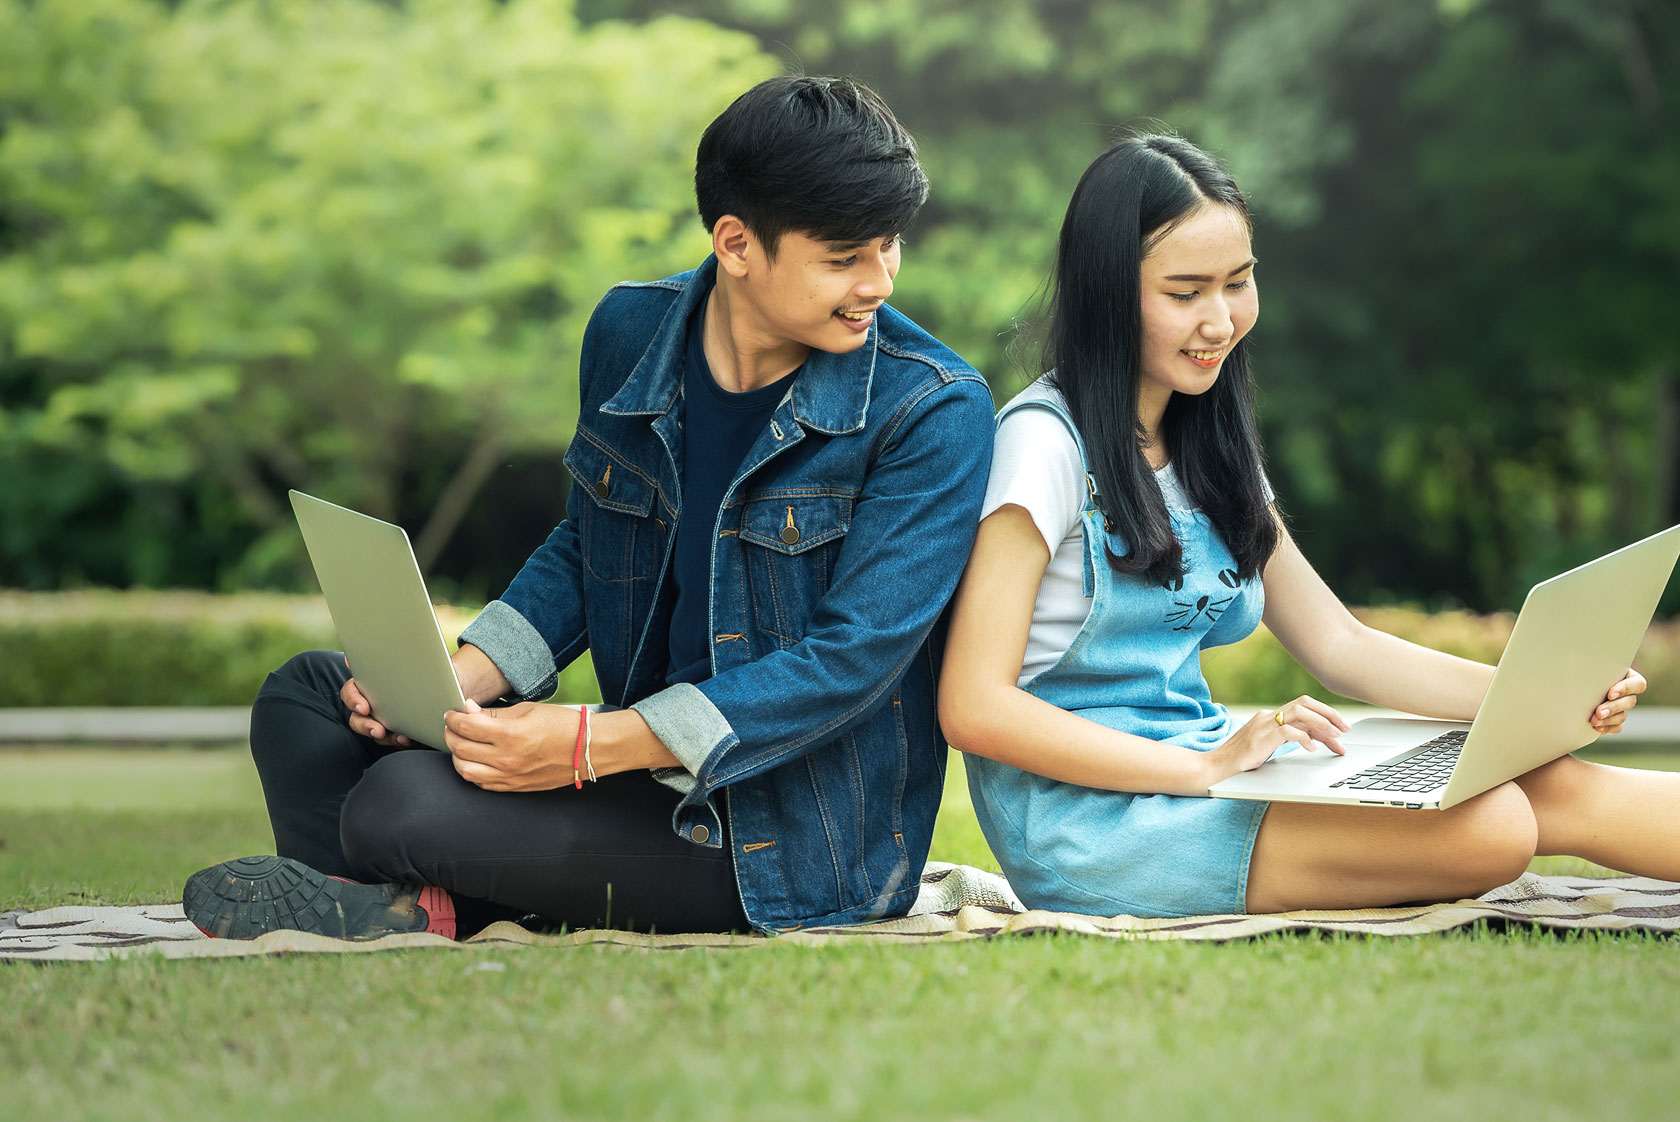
column 1128, row 524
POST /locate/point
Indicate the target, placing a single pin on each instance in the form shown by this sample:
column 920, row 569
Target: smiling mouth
column 1207, row 359
column 858, row 317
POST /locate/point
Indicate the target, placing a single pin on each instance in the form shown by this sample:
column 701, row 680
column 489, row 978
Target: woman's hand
column 1303, row 720
column 1608, row 718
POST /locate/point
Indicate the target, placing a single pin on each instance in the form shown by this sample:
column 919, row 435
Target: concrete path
column 1648, row 725
column 199, row 725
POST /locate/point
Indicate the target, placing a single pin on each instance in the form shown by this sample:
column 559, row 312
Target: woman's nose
column 1217, row 327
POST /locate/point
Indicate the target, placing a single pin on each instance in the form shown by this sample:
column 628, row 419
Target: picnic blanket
column 956, row 902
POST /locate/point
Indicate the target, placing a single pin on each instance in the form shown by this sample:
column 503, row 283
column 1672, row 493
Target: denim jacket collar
column 830, row 394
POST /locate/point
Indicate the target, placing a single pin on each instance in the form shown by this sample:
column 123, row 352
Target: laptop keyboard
column 1424, row 768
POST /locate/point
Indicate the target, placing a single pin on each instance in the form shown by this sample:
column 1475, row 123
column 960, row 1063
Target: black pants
column 602, row 856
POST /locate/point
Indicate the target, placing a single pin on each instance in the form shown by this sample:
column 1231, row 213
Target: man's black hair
column 823, row 157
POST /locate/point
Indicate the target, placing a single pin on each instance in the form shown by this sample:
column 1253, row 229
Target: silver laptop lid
column 384, row 617
column 1577, row 633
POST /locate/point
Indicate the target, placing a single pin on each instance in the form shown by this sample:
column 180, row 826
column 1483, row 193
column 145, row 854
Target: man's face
column 822, row 294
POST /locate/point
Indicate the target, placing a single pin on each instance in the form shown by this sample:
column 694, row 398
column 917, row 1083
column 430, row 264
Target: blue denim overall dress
column 1134, row 666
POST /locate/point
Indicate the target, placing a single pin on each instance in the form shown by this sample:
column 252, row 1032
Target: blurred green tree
column 1470, row 225
column 314, row 243
column 1009, row 100
column 1469, row 218
column 342, row 244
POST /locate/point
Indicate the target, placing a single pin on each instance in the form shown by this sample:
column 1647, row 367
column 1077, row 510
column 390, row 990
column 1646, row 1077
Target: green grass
column 1475, row 1026
column 1472, row 1024
column 121, row 826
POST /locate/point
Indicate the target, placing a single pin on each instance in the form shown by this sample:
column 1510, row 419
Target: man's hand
column 363, row 721
column 480, row 681
column 529, row 746
column 525, row 747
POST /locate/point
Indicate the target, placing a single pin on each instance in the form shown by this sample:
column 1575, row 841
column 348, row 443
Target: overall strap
column 1088, row 580
column 1061, row 412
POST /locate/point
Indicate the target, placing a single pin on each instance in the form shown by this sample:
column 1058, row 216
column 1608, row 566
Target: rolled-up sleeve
column 687, row 722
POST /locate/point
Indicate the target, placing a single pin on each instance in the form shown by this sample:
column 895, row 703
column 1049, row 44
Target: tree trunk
column 1667, row 468
column 459, row 494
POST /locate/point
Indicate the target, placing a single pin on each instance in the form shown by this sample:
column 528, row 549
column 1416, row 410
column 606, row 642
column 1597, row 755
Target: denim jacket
column 838, row 543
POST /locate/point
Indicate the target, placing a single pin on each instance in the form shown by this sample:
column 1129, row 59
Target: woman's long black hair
column 1133, row 195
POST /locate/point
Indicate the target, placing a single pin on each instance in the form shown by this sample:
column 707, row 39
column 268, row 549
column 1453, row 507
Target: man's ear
column 736, row 249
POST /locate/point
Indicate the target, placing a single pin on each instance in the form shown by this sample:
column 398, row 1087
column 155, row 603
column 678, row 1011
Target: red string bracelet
column 577, row 750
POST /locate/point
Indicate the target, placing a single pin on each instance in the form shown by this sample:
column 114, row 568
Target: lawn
column 1467, row 1025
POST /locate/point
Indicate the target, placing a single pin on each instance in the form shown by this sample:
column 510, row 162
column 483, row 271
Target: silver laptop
column 1575, row 638
column 384, row 617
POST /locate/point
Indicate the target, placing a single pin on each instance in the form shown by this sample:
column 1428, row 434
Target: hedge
column 191, row 648
column 102, row 648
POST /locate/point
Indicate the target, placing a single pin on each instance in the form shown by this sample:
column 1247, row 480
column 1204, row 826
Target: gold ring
column 1280, row 718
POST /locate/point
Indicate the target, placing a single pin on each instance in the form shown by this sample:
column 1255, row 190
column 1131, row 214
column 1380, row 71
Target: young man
column 775, row 477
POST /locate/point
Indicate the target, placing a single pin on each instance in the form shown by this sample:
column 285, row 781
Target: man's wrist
column 622, row 741
column 481, row 679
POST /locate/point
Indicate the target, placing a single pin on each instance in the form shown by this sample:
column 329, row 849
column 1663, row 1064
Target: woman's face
column 1199, row 299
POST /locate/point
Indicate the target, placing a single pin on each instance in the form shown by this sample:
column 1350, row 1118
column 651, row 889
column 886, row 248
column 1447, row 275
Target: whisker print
column 1204, row 605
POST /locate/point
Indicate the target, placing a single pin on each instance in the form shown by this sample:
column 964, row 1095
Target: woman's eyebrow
column 1249, row 264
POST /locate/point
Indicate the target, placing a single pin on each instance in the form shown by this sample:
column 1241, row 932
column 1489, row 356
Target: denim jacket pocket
column 791, row 538
column 616, row 533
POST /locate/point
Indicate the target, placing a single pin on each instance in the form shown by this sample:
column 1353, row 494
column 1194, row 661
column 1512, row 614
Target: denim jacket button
column 790, row 534
column 601, row 489
column 659, row 524
column 700, row 835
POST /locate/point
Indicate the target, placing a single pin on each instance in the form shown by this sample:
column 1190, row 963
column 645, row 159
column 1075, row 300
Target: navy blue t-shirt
column 719, row 428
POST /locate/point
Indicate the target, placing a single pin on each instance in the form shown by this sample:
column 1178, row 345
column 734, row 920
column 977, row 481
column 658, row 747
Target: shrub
column 173, row 648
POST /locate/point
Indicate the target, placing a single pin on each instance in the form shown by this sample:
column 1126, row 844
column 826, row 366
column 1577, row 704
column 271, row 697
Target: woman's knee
column 1562, row 786
column 1493, row 837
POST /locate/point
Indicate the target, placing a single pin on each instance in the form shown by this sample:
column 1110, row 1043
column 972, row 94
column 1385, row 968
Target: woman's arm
column 1382, row 669
column 983, row 711
column 1359, row 661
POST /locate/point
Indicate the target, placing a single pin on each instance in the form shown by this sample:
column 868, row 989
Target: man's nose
column 877, row 283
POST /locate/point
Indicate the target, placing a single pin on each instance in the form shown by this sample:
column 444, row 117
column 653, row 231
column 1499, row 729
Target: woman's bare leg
column 1620, row 817
column 1313, row 856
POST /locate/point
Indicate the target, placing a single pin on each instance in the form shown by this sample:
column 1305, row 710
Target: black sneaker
column 253, row 895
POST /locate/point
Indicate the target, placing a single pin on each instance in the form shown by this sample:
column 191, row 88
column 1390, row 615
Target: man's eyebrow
column 845, row 247
column 1249, row 264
